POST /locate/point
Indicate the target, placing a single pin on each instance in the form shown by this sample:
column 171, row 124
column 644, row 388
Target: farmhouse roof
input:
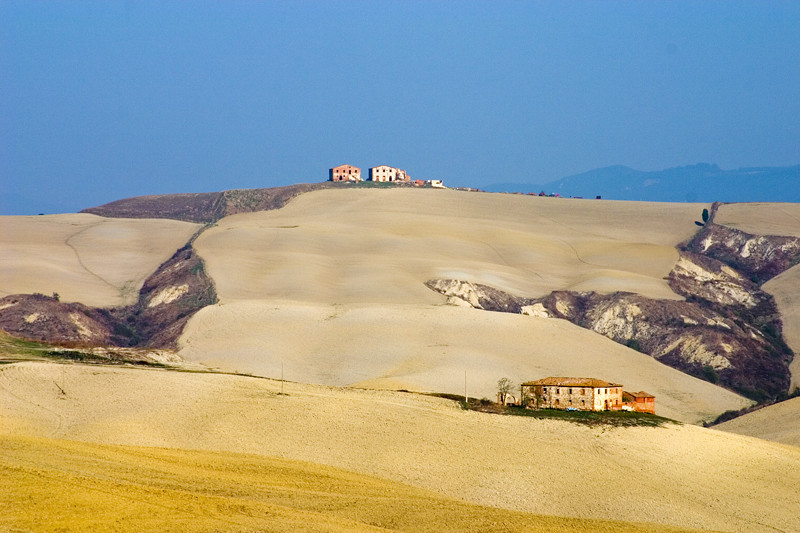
column 572, row 382
column 640, row 394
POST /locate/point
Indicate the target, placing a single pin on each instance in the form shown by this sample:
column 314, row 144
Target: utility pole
column 466, row 398
column 281, row 378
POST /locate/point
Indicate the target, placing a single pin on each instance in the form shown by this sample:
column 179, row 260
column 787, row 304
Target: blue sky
column 104, row 100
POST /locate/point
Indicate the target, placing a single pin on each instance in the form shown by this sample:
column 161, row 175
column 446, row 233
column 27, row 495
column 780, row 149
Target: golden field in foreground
column 678, row 475
column 89, row 487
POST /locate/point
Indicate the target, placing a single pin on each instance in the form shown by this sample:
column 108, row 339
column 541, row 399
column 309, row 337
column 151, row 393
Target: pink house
column 345, row 173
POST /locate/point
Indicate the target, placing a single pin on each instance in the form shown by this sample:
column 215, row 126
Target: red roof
column 640, row 394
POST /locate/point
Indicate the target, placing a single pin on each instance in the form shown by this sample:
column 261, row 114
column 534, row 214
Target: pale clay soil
column 778, row 423
column 331, row 288
column 429, row 348
column 84, row 258
column 332, row 285
column 681, row 475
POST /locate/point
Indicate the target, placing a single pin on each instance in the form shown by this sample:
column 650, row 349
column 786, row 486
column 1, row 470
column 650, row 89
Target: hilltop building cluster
column 381, row 173
column 584, row 394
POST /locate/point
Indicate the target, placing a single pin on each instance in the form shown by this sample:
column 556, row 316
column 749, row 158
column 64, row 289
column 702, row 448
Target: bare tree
column 504, row 387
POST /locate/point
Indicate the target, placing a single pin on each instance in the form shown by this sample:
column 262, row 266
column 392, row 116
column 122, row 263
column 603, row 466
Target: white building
column 387, row 173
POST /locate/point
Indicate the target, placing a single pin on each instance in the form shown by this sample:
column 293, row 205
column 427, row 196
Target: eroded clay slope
column 169, row 297
column 774, row 219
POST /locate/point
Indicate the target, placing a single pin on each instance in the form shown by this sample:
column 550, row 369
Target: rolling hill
column 676, row 475
column 330, row 288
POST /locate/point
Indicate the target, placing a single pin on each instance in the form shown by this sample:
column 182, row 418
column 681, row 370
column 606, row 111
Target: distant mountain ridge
column 694, row 183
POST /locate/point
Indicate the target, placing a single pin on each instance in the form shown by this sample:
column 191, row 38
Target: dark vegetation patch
column 45, row 318
column 758, row 257
column 251, row 200
column 159, row 326
column 92, row 358
column 206, row 207
column 189, row 207
column 212, row 206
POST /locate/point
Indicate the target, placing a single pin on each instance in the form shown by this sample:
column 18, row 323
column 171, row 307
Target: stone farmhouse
column 381, row 173
column 387, row 173
column 345, row 173
column 583, row 394
column 641, row 401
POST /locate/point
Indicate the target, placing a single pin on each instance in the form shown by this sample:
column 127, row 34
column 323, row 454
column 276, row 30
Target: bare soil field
column 684, row 476
column 85, row 258
column 380, row 246
column 761, row 218
column 778, row 423
column 333, row 286
column 429, row 348
column 330, row 289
